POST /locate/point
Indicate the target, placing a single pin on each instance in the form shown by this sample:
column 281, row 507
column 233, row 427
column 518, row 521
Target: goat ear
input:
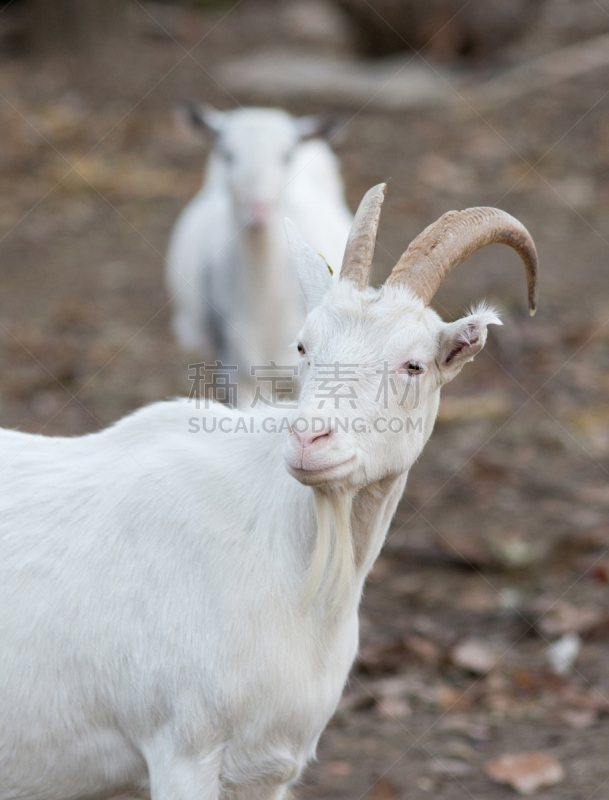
column 460, row 341
column 202, row 115
column 323, row 127
column 314, row 272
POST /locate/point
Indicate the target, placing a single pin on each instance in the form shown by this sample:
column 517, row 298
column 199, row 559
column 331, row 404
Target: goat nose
column 306, row 438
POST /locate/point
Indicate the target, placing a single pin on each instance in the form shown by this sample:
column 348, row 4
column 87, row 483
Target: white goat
column 234, row 290
column 178, row 609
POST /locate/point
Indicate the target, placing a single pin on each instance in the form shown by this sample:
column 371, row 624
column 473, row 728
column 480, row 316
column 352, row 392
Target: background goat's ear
column 324, row 127
column 203, row 116
column 312, row 269
column 460, row 341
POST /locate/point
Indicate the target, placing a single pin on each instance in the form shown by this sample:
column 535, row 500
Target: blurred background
column 485, row 624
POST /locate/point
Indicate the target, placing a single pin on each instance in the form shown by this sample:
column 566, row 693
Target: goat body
column 150, row 613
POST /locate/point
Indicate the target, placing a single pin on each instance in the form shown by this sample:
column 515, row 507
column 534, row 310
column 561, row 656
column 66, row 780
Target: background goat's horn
column 362, row 238
column 433, row 255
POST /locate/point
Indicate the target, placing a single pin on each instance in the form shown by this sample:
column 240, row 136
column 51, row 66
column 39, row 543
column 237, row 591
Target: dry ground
column 503, row 531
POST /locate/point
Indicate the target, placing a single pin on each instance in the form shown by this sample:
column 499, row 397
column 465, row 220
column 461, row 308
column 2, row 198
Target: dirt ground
column 501, row 543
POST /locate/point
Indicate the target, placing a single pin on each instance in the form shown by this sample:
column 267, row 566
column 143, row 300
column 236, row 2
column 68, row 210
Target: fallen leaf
column 526, row 772
column 474, row 656
column 450, row 699
column 391, row 707
column 392, row 702
column 535, row 680
column 384, row 790
column 424, row 649
column 600, row 571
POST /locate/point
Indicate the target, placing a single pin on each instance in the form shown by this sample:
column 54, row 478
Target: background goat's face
column 255, row 148
column 372, row 365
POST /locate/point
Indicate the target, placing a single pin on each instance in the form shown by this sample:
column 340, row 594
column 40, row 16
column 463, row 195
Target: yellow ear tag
column 330, row 270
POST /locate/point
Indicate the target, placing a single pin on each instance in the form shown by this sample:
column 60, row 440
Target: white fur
column 234, row 291
column 171, row 616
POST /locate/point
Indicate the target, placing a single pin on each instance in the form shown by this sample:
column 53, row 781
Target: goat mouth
column 302, row 472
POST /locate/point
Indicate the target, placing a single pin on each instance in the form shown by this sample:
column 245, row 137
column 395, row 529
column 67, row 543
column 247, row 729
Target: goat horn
column 362, row 238
column 433, row 255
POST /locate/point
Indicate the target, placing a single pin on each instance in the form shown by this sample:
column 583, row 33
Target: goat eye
column 301, row 349
column 413, row 367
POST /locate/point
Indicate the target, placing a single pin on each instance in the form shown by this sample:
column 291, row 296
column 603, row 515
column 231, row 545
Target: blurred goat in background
column 234, row 292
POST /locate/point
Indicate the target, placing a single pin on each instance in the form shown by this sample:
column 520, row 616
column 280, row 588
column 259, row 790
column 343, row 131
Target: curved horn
column 362, row 238
column 433, row 255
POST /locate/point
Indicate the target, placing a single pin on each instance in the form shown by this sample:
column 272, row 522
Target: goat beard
column 330, row 577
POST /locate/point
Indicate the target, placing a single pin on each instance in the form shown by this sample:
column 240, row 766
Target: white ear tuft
column 486, row 314
column 313, row 271
column 460, row 341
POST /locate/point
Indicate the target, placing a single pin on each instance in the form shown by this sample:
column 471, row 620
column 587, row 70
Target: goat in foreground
column 179, row 610
column 235, row 293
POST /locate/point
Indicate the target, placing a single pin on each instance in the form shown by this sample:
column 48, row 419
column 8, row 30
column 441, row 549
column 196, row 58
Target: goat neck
column 267, row 280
